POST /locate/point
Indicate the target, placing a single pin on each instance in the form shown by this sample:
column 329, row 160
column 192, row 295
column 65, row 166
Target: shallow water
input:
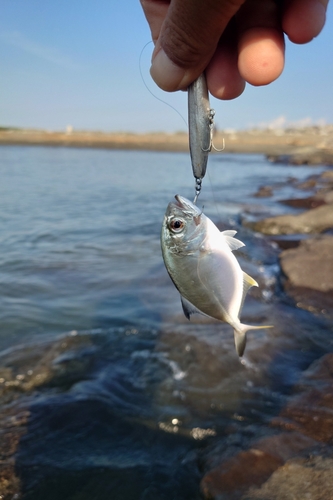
column 124, row 394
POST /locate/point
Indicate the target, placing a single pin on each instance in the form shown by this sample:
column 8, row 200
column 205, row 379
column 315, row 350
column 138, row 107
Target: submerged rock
column 252, row 467
column 316, row 219
column 311, row 410
column 293, row 464
column 301, row 478
column 264, row 192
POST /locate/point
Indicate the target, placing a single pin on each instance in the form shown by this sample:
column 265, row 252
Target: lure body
column 200, row 123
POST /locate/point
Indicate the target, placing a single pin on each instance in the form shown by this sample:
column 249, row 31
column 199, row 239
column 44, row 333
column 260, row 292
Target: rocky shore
column 307, row 268
column 296, row 461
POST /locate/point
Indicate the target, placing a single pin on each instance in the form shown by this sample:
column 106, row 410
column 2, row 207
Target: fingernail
column 166, row 74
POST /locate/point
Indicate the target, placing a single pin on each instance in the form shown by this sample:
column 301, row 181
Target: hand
column 234, row 41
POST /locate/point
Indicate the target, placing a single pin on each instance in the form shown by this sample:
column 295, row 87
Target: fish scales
column 200, row 262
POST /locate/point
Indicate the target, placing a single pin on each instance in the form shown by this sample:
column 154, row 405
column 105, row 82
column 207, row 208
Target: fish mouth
column 186, row 205
column 179, row 200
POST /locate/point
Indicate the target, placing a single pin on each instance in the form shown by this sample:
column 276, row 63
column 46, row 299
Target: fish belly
column 212, row 282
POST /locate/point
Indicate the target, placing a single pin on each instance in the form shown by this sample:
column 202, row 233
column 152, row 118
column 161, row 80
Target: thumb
column 188, row 39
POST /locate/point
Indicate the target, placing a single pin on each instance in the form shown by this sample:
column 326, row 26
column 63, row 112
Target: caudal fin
column 240, row 336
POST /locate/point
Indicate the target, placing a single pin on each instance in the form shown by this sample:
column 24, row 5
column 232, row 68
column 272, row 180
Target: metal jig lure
column 201, row 129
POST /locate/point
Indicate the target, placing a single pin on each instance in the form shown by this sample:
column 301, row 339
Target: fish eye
column 176, row 225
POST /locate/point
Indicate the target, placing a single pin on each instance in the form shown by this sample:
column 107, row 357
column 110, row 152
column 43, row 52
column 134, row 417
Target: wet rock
column 309, row 202
column 233, row 477
column 304, row 156
column 286, row 241
column 311, row 411
column 264, row 192
column 309, row 273
column 282, row 466
column 310, row 479
column 311, row 264
column 315, row 220
column 13, row 425
column 320, row 371
column 308, row 184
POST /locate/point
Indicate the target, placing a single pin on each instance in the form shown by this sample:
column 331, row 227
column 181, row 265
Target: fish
column 200, row 261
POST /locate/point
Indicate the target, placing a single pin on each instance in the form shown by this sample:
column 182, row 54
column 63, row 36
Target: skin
column 234, row 41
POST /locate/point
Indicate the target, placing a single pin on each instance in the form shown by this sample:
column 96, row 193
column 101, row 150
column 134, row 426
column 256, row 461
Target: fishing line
column 181, row 116
column 213, row 195
column 155, row 96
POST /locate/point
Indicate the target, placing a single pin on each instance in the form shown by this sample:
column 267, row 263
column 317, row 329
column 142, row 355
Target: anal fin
column 189, row 308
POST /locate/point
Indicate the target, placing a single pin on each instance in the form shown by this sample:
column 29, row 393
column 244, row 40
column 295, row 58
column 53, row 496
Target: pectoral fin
column 232, row 242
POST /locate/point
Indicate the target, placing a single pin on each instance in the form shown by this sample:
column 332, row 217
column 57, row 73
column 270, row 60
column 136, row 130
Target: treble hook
column 211, row 134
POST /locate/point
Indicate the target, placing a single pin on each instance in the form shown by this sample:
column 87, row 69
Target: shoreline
column 311, row 141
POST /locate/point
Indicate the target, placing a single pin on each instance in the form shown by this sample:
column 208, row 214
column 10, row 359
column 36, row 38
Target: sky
column 85, row 64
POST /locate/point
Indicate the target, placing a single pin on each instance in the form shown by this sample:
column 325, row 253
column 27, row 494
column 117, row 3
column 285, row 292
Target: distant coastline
column 306, row 145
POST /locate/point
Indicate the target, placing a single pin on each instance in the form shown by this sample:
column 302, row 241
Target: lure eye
column 176, row 225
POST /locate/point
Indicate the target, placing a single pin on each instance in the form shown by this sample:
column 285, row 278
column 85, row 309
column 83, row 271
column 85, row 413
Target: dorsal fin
column 232, row 242
column 229, row 232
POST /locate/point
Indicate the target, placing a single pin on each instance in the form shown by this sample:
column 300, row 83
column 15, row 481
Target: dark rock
column 320, row 371
column 13, row 425
column 324, row 196
column 286, row 241
column 311, row 411
column 310, row 202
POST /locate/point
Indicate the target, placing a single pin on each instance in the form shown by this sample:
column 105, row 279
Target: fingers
column 257, row 58
column 236, row 41
column 155, row 12
column 223, row 78
column 261, row 42
column 304, row 19
column 188, row 39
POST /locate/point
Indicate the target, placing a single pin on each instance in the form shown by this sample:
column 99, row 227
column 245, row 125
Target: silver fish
column 200, row 262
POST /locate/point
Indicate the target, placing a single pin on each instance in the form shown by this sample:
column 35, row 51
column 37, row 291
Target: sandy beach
column 307, row 141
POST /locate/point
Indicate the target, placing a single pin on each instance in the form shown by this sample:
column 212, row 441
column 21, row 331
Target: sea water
column 129, row 392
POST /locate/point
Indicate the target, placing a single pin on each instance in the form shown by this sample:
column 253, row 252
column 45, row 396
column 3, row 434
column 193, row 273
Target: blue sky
column 76, row 62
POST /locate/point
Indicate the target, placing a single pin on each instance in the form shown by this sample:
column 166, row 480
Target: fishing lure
column 201, row 128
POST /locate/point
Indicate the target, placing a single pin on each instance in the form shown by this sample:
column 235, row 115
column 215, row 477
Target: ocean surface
column 126, row 398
